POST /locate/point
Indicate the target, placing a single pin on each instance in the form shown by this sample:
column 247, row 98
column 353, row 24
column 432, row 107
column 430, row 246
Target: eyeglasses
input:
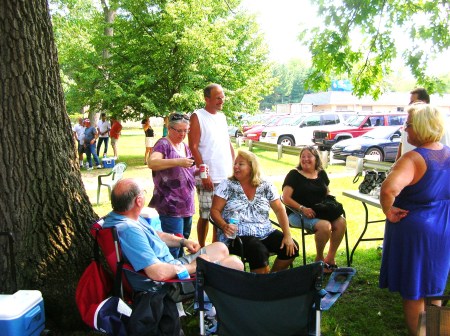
column 179, row 116
column 180, row 131
column 408, row 125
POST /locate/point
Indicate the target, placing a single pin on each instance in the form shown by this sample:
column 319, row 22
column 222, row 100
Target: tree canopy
column 161, row 55
column 359, row 41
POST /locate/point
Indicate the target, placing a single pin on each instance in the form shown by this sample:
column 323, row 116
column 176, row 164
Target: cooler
column 22, row 313
column 108, row 162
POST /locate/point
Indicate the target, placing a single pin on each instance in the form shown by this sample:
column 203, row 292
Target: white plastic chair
column 116, row 174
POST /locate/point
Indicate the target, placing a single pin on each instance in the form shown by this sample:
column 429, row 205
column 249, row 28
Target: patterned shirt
column 254, row 214
column 173, row 193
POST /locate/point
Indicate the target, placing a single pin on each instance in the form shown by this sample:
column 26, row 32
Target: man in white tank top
column 210, row 144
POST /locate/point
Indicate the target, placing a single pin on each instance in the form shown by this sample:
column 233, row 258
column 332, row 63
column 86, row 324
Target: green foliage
column 358, row 41
column 290, row 83
column 162, row 54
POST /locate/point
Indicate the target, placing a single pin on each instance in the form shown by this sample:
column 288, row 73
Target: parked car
column 382, row 142
column 256, row 120
column 300, row 133
column 234, row 131
column 354, row 127
column 254, row 133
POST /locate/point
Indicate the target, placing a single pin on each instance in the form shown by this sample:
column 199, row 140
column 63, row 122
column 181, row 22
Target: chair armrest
column 103, row 175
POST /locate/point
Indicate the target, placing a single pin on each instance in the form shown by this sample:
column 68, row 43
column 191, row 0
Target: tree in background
column 162, row 54
column 43, row 201
column 290, row 86
column 358, row 40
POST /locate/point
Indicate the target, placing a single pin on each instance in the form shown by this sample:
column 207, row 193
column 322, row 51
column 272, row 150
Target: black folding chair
column 283, row 303
column 305, row 232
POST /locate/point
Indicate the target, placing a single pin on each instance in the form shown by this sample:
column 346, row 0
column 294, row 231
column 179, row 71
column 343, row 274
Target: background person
column 147, row 249
column 252, row 197
column 415, row 197
column 210, row 145
column 103, row 126
column 78, row 133
column 303, row 187
column 173, row 176
column 114, row 133
column 90, row 137
column 149, row 138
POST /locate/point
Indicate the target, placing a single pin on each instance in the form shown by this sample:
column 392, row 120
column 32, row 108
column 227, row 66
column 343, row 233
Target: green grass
column 364, row 309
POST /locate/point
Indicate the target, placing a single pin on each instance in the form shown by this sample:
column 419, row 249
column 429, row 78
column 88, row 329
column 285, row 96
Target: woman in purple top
column 173, row 171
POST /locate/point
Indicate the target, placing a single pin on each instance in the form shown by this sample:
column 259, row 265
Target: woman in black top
column 149, row 138
column 302, row 188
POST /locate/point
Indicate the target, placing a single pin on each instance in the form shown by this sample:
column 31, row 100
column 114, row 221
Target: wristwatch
column 182, row 242
column 301, row 208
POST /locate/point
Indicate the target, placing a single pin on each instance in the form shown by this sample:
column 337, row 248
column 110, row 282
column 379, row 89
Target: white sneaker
column 90, row 168
column 99, row 166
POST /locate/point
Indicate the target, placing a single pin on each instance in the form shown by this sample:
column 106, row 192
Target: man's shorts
column 187, row 259
column 80, row 148
column 205, row 198
column 149, row 142
column 114, row 141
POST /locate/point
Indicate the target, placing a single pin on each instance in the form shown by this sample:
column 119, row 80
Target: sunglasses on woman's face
column 179, row 116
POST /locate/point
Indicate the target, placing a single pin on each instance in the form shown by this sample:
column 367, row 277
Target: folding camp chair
column 130, row 280
column 305, row 232
column 283, row 303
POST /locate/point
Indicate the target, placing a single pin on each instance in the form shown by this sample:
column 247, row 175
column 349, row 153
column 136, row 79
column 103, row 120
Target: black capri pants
column 257, row 251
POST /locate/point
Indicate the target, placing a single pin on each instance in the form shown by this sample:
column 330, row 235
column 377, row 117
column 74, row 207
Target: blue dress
column 416, row 250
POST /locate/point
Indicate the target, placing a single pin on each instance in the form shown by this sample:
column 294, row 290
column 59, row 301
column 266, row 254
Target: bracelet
column 301, row 208
column 182, row 242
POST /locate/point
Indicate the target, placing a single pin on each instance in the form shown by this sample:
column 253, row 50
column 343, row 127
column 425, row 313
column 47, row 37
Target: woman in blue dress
column 415, row 197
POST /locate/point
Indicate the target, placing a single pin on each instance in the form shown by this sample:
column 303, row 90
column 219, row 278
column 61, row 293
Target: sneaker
column 99, row 166
column 210, row 325
column 104, row 155
column 90, row 168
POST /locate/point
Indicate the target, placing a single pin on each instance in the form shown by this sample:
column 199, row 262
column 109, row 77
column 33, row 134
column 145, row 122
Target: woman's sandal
column 329, row 268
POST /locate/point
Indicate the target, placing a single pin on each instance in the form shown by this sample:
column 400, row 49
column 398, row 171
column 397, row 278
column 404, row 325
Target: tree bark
column 42, row 198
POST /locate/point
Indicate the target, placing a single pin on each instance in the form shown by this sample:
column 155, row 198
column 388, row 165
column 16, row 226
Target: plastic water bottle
column 234, row 220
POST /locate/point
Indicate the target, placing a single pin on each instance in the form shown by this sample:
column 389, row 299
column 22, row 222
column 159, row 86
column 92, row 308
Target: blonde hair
column 255, row 170
column 427, row 122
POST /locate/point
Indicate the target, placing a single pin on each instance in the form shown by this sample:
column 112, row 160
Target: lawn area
column 364, row 309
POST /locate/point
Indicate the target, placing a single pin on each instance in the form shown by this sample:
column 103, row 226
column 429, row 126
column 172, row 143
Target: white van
column 301, row 133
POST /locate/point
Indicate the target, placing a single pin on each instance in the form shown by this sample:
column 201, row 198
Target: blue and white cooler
column 108, row 162
column 22, row 313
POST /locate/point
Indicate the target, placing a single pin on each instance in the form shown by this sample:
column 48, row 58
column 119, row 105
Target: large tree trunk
column 42, row 198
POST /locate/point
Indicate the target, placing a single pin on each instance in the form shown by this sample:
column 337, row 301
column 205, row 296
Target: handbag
column 372, row 180
column 329, row 209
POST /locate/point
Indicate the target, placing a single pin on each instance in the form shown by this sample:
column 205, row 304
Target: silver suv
column 300, row 133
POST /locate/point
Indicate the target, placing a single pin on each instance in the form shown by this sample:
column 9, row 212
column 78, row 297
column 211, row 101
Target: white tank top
column 214, row 144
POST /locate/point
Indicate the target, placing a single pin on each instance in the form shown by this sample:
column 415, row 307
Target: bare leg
column 412, row 309
column 321, row 236
column 202, row 231
column 338, row 230
column 280, row 265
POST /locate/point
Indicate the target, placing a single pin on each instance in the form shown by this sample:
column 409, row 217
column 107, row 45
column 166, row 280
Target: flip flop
column 329, row 268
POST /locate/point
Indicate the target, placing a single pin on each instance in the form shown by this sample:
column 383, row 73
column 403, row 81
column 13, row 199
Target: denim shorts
column 187, row 259
column 309, row 223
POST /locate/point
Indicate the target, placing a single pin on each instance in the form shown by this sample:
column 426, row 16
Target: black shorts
column 257, row 251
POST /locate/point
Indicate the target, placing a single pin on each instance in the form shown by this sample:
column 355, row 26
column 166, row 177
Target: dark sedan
column 381, row 142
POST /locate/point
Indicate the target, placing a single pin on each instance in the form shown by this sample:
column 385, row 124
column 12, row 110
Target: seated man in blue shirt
column 147, row 249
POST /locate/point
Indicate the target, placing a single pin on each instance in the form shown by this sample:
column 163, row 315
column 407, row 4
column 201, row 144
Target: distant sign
column 341, row 85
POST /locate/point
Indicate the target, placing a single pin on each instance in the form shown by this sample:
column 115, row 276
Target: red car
column 277, row 120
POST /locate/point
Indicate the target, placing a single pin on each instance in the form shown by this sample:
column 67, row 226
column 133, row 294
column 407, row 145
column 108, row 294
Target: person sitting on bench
column 147, row 249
